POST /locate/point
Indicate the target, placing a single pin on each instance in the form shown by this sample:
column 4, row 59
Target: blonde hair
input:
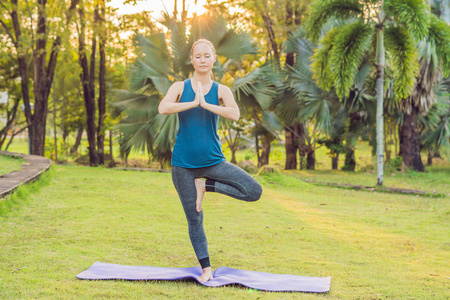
column 204, row 41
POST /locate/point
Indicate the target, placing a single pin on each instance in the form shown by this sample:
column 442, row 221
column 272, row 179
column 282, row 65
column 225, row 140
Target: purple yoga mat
column 222, row 276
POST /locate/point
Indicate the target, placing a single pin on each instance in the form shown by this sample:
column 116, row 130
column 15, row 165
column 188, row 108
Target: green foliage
column 304, row 100
column 322, row 10
column 413, row 14
column 257, row 89
column 439, row 39
column 350, row 45
column 405, row 65
column 394, row 165
column 321, row 60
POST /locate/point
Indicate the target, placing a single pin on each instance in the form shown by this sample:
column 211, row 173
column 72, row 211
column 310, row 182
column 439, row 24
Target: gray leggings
column 224, row 178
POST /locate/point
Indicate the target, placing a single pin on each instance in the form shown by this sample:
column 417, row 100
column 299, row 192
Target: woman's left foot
column 201, row 189
column 206, row 275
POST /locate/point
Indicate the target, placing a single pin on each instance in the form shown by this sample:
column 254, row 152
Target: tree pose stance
column 197, row 154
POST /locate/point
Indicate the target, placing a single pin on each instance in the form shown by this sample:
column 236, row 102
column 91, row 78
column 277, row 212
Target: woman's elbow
column 236, row 115
column 162, row 110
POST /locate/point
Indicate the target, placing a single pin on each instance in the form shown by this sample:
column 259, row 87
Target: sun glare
column 156, row 7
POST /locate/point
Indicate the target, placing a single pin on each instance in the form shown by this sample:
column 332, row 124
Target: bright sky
column 157, row 6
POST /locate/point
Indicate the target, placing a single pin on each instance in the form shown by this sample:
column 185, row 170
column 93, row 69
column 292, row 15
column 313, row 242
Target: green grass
column 435, row 180
column 9, row 164
column 373, row 245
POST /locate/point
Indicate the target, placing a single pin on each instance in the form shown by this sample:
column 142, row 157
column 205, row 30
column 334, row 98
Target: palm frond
column 322, row 10
column 317, row 108
column 439, row 38
column 234, row 45
column 154, row 52
column 348, row 51
column 256, row 89
column 139, row 107
column 400, row 44
column 320, row 61
column 135, row 136
column 413, row 14
column 142, row 76
column 288, row 109
column 164, row 128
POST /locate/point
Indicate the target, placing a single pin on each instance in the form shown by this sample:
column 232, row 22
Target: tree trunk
column 43, row 70
column 350, row 161
column 291, row 147
column 334, row 161
column 301, row 144
column 311, row 159
column 430, row 157
column 74, row 149
column 112, row 163
column 258, row 155
column 65, row 135
column 54, row 127
column 11, row 117
column 270, row 32
column 102, row 87
column 410, row 144
column 87, row 79
column 233, row 156
column 379, row 84
column 265, row 153
column 290, row 138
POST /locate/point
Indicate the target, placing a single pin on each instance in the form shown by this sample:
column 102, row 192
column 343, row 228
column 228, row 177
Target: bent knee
column 255, row 193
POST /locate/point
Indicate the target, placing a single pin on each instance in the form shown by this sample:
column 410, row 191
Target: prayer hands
column 199, row 97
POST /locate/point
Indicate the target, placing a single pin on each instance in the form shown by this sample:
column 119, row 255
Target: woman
column 197, row 154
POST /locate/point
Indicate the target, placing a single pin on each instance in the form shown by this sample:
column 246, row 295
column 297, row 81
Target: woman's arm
column 170, row 105
column 230, row 110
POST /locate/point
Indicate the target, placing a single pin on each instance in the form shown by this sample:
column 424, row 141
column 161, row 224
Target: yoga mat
column 222, row 276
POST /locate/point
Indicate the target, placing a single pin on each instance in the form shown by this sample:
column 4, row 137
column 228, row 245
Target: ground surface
column 373, row 245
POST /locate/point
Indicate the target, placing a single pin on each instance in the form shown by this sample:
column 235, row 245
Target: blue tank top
column 197, row 144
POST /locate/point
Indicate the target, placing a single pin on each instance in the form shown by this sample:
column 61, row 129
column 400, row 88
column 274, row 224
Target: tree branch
column 57, row 42
column 8, row 32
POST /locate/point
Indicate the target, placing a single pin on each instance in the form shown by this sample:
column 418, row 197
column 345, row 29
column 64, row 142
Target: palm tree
column 435, row 135
column 434, row 61
column 158, row 65
column 255, row 93
column 304, row 102
column 369, row 23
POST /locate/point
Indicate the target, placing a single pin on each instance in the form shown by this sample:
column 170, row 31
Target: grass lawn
column 373, row 245
column 9, row 164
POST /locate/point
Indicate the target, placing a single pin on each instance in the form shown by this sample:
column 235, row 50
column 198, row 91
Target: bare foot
column 206, row 275
column 200, row 187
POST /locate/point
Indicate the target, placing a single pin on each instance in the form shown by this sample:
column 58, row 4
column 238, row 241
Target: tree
column 255, row 93
column 36, row 41
column 368, row 24
column 9, row 111
column 304, row 102
column 434, row 61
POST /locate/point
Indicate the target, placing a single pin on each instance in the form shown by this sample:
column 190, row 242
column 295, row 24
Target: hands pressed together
column 200, row 97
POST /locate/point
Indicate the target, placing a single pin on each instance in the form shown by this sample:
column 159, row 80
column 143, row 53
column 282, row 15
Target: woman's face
column 203, row 58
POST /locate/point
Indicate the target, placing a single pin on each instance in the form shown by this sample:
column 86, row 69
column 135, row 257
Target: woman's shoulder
column 223, row 89
column 177, row 86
